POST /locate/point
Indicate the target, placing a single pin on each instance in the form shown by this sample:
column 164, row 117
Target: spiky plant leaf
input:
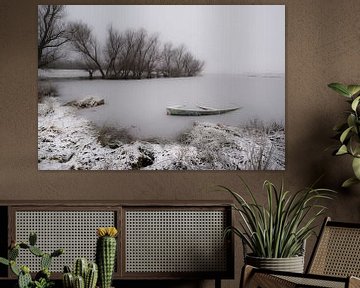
column 279, row 228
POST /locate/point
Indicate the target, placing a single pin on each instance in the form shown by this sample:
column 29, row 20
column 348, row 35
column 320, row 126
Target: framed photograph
column 161, row 87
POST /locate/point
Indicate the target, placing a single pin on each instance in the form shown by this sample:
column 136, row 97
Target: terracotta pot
column 291, row 264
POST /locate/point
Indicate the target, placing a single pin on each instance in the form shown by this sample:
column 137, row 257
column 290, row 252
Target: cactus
column 105, row 254
column 87, row 272
column 24, row 278
column 14, row 268
column 32, row 239
column 36, row 251
column 68, row 280
column 45, row 261
column 80, row 267
column 44, row 273
column 13, row 253
column 4, row 261
column 57, row 252
column 91, row 276
column 79, row 282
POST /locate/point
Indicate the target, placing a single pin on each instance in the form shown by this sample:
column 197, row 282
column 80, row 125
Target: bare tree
column 84, row 42
column 51, row 33
column 152, row 56
column 167, row 59
column 114, row 45
column 133, row 54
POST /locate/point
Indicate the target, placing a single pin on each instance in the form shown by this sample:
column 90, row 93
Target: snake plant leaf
column 353, row 89
column 340, row 88
column 345, row 134
column 356, row 167
column 349, row 182
column 342, row 150
column 355, row 103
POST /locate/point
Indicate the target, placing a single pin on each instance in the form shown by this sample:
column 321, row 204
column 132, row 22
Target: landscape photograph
column 161, row 87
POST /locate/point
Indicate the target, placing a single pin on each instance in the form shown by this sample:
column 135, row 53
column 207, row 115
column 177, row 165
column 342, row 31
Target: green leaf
column 349, row 182
column 345, row 134
column 351, row 120
column 342, row 150
column 354, row 145
column 340, row 88
column 356, row 167
column 355, row 103
column 353, row 89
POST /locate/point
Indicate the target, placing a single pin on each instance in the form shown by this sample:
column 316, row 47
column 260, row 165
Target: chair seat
column 315, row 282
column 268, row 279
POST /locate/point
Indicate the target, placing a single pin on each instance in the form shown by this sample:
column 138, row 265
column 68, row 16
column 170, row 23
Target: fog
column 229, row 38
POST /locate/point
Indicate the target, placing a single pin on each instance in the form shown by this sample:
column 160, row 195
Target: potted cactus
column 84, row 275
column 42, row 278
column 106, row 254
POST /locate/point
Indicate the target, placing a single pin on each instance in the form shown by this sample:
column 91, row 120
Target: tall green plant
column 279, row 229
column 349, row 131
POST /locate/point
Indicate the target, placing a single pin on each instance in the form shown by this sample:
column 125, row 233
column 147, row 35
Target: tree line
column 130, row 54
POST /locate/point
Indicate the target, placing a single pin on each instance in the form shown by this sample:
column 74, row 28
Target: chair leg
column 217, row 282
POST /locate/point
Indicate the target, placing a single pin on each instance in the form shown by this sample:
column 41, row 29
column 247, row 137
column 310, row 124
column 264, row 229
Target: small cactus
column 91, row 276
column 79, row 282
column 68, row 280
column 106, row 254
column 81, row 267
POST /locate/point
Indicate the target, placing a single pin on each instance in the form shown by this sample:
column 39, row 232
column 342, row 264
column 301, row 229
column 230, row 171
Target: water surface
column 140, row 105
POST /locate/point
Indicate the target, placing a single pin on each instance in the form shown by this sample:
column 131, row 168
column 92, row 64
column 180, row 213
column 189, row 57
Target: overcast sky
column 229, row 38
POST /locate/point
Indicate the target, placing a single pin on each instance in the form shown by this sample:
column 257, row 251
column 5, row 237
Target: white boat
column 200, row 111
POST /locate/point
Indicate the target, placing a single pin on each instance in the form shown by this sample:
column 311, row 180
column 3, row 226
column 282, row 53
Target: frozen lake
column 140, row 105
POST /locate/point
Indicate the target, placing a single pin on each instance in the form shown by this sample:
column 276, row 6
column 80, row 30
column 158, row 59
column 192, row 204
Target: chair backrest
column 337, row 251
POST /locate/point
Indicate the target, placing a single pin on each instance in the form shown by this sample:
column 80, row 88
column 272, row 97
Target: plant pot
column 291, row 264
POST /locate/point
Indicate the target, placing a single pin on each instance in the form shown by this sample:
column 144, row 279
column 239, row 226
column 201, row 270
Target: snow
column 67, row 141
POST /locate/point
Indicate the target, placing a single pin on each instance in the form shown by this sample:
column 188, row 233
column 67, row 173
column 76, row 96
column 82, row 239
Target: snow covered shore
column 67, row 141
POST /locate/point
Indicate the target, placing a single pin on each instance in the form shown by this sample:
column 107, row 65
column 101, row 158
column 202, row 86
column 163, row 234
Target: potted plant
column 348, row 132
column 276, row 233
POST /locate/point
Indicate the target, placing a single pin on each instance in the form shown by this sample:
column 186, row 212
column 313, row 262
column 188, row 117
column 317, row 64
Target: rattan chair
column 334, row 263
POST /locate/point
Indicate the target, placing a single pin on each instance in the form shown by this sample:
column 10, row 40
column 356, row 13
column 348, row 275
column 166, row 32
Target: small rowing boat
column 200, row 111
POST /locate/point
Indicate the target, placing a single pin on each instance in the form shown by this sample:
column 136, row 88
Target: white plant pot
column 291, row 264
